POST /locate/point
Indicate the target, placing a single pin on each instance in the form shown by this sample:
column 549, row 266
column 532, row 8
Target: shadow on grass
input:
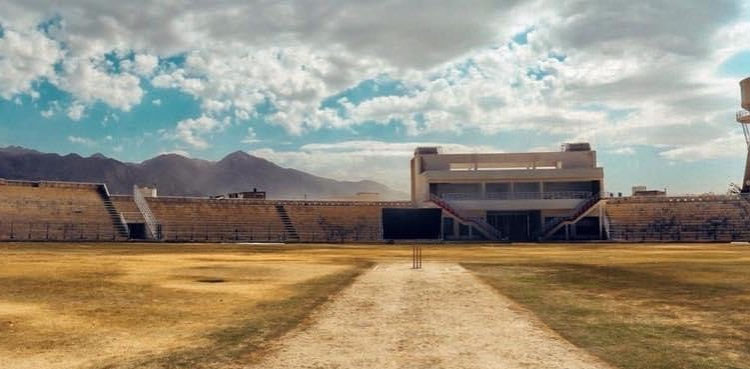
column 246, row 341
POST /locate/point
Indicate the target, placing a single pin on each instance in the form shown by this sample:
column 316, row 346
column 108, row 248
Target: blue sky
column 347, row 90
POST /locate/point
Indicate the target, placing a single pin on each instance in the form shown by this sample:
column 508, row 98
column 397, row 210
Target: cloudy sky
column 347, row 89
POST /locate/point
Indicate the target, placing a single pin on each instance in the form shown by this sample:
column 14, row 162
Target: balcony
column 503, row 201
column 559, row 195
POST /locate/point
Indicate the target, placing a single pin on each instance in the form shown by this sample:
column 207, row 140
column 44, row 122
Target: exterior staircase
column 583, row 209
column 118, row 221
column 487, row 230
column 289, row 229
column 153, row 230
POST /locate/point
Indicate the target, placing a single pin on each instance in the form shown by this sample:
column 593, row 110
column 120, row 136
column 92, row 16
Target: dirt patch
column 437, row 317
column 211, row 280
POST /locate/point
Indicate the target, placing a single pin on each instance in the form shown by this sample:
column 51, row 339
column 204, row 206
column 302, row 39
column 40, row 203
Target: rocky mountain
column 175, row 175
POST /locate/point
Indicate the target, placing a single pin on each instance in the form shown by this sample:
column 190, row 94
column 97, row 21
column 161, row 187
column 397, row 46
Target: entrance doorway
column 137, row 231
column 516, row 225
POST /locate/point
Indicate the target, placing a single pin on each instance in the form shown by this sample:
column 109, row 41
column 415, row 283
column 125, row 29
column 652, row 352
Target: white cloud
column 294, row 80
column 76, row 110
column 627, row 150
column 721, row 147
column 82, row 141
column 195, row 132
column 89, row 81
column 408, row 33
column 24, row 58
column 176, row 152
column 145, row 64
column 633, row 73
column 251, row 137
column 156, row 102
column 53, row 108
column 384, row 162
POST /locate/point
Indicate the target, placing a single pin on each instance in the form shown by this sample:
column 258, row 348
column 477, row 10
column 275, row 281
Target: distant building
column 147, row 191
column 643, row 191
column 254, row 194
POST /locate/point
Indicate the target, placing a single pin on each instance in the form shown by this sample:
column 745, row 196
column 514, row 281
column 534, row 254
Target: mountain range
column 176, row 175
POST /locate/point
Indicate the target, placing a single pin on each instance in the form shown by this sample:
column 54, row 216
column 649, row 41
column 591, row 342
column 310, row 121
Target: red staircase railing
column 550, row 228
column 485, row 228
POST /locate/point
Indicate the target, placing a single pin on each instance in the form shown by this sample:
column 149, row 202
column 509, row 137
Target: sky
column 348, row 89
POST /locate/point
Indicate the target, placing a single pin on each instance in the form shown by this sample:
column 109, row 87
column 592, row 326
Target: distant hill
column 176, row 175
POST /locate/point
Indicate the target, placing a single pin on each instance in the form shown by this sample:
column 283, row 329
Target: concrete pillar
column 442, row 226
column 601, row 221
column 483, row 190
column 746, row 179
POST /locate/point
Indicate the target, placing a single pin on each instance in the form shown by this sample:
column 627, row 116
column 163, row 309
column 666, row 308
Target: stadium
column 503, row 197
column 493, row 259
column 508, row 197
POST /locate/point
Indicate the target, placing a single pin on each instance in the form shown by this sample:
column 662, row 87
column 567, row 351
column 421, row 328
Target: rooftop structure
column 254, row 194
column 644, row 191
column 148, row 191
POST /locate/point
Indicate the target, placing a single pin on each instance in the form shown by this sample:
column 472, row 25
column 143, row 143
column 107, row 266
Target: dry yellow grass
column 66, row 306
column 652, row 306
column 174, row 305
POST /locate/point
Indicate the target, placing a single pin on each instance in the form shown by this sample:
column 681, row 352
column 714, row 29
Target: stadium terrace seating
column 338, row 221
column 55, row 211
column 212, row 220
column 126, row 206
column 700, row 218
column 230, row 220
column 82, row 211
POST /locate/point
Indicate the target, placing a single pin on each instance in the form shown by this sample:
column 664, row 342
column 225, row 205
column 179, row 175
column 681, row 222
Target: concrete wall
column 507, row 205
column 563, row 160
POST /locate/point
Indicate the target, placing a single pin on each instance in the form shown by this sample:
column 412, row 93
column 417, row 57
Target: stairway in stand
column 578, row 213
column 291, row 232
column 117, row 220
column 487, row 230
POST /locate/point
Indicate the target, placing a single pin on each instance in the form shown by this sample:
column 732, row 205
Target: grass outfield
column 154, row 306
column 637, row 307
column 193, row 306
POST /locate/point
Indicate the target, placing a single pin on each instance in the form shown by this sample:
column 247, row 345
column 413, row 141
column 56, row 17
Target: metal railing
column 151, row 224
column 245, row 232
column 685, row 198
column 209, row 231
column 686, row 231
column 478, row 223
column 554, row 195
column 57, row 231
column 116, row 216
column 551, row 227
